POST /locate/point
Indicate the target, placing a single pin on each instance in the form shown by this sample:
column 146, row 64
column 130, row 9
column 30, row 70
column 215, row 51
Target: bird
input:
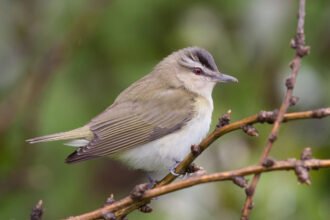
column 153, row 123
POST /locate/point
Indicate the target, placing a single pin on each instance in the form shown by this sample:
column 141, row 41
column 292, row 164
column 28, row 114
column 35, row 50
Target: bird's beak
column 223, row 78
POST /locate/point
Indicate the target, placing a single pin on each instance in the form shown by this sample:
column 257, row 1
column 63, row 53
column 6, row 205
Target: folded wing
column 131, row 122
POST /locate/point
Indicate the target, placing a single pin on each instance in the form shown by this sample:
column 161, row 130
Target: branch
column 125, row 205
column 298, row 43
column 306, row 164
column 261, row 117
column 290, row 164
column 37, row 211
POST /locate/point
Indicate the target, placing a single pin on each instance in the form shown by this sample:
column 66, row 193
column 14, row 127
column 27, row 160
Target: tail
column 83, row 132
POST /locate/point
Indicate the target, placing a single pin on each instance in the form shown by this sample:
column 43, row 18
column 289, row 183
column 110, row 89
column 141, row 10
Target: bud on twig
column 240, row 181
column 138, row 191
column 224, row 120
column 37, row 211
column 268, row 162
column 250, row 130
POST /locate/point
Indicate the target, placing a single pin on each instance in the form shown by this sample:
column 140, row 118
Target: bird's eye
column 197, row 71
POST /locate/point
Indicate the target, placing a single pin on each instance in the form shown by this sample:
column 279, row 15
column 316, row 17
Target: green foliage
column 107, row 45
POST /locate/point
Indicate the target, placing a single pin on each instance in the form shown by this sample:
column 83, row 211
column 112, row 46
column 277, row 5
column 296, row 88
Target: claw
column 172, row 169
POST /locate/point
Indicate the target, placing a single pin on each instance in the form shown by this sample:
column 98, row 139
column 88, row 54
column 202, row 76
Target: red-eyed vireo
column 153, row 122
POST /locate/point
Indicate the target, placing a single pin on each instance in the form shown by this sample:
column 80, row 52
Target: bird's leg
column 152, row 181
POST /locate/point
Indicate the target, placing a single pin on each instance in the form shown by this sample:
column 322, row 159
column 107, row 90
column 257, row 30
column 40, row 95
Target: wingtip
column 34, row 140
column 71, row 158
column 75, row 157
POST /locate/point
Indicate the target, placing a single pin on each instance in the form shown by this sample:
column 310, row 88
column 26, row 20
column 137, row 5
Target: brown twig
column 290, row 164
column 261, row 117
column 125, row 205
column 37, row 211
column 298, row 43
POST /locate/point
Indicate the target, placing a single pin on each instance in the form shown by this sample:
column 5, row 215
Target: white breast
column 161, row 154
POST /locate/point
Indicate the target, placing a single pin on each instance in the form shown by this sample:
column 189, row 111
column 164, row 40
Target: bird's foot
column 152, row 182
column 172, row 169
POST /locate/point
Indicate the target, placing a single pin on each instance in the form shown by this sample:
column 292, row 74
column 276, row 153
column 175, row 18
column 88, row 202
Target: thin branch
column 37, row 211
column 125, row 205
column 261, row 117
column 298, row 43
column 290, row 164
column 222, row 176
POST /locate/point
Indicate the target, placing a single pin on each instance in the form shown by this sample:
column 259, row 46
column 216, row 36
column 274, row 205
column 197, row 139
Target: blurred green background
column 62, row 62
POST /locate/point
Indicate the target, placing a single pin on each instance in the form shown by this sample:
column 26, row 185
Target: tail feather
column 83, row 132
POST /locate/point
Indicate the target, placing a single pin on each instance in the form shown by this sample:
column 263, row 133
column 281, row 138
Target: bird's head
column 195, row 69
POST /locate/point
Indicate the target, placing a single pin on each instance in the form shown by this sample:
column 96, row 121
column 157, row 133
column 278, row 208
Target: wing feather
column 131, row 122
